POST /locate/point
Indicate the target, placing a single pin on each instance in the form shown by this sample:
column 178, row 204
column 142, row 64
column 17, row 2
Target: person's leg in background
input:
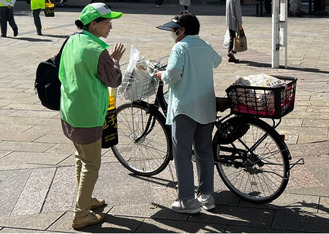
column 231, row 52
column 3, row 15
column 11, row 20
column 37, row 20
column 88, row 161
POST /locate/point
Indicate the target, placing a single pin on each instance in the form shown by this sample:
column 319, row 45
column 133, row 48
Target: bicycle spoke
column 259, row 167
column 143, row 146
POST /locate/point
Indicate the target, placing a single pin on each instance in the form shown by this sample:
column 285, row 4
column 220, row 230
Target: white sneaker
column 207, row 201
column 190, row 206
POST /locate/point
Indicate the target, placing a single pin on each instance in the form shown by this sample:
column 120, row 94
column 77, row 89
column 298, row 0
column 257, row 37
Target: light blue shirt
column 189, row 75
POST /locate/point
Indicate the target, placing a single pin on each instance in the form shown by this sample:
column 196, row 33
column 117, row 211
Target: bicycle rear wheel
column 255, row 164
column 144, row 146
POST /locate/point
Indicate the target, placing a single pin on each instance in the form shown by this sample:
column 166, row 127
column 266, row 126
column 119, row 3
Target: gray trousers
column 185, row 133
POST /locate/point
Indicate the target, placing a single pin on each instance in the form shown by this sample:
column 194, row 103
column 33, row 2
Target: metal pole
column 275, row 35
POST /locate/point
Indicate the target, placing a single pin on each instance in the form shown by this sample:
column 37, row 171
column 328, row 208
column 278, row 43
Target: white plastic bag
column 137, row 82
column 226, row 42
column 134, row 56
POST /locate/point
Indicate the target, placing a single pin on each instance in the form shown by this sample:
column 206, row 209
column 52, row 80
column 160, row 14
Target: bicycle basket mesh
column 137, row 85
column 263, row 96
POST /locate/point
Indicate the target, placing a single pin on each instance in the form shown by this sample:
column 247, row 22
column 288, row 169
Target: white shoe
column 190, row 206
column 207, row 201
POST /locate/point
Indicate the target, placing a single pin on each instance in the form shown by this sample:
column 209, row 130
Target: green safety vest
column 4, row 4
column 84, row 97
column 37, row 4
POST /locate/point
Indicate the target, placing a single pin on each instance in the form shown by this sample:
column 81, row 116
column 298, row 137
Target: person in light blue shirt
column 191, row 110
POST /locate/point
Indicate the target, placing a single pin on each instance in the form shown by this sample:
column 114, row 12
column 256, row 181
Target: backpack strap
column 59, row 54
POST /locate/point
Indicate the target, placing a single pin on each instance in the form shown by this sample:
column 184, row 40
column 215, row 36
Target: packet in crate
column 258, row 99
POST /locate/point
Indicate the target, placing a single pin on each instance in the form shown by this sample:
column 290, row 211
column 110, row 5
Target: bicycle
column 251, row 157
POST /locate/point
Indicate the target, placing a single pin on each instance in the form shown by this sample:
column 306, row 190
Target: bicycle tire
column 263, row 175
column 147, row 154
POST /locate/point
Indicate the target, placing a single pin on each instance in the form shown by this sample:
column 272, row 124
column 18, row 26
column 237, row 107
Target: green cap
column 96, row 10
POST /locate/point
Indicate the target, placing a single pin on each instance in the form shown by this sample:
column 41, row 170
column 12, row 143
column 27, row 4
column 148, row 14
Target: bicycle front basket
column 266, row 102
column 137, row 85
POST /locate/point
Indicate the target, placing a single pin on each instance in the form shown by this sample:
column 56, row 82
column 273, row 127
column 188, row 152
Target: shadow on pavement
column 30, row 39
column 258, row 64
column 119, row 224
column 248, row 217
column 156, row 180
column 57, row 36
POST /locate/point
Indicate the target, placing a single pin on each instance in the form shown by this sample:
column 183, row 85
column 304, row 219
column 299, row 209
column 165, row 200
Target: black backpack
column 47, row 83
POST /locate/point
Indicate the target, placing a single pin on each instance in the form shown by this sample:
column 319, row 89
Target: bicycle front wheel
column 255, row 165
column 144, row 146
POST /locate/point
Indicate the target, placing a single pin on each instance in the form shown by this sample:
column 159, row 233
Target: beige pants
column 87, row 164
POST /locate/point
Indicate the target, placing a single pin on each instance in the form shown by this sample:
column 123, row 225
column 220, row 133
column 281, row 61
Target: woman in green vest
column 36, row 7
column 86, row 71
column 7, row 14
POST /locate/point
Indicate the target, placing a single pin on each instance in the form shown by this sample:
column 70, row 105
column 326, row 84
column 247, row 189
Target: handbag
column 49, row 9
column 110, row 127
column 240, row 42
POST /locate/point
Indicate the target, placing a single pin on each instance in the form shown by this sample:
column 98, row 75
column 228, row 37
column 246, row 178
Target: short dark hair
column 189, row 21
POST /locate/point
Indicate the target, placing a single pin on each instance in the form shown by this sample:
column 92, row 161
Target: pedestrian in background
column 86, row 71
column 7, row 14
column 158, row 3
column 36, row 7
column 185, row 4
column 191, row 111
column 234, row 24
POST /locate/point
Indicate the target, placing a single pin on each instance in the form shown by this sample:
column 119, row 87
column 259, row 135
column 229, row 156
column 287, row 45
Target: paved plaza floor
column 37, row 182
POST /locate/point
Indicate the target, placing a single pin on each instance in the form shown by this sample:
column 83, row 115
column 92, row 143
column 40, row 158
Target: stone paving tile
column 11, row 185
column 147, row 210
column 35, row 191
column 301, row 221
column 25, row 146
column 18, row 230
column 117, row 187
column 57, row 137
column 61, row 194
column 324, row 205
column 165, row 226
column 111, row 224
column 251, row 217
column 295, row 202
column 62, row 148
column 28, row 121
column 244, row 229
column 20, row 136
column 4, row 153
column 36, row 222
column 30, row 159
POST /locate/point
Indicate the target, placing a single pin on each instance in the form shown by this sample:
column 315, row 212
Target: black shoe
column 15, row 32
column 232, row 58
column 3, row 36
